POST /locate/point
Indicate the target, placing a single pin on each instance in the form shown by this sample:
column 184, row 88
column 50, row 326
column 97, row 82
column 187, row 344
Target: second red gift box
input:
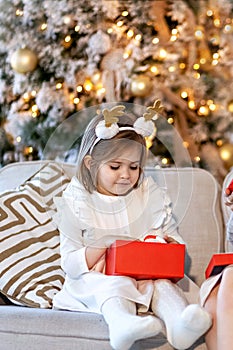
column 217, row 263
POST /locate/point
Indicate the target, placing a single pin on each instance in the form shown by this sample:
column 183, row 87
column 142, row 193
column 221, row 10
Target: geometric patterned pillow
column 30, row 271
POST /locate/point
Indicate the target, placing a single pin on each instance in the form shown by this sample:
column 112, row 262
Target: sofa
column 201, row 217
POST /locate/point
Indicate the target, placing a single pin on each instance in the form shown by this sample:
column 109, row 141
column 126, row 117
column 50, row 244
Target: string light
column 162, row 54
column 67, row 19
column 88, row 85
column 34, row 108
column 76, row 100
column 191, row 104
column 33, row 93
column 196, row 66
column 217, row 22
column 96, row 77
column 182, row 65
column 125, row 13
column 184, row 94
column 170, row 120
column 155, row 41
column 174, row 36
column 67, row 39
column 196, row 75
column 79, row 88
column 203, row 110
column 214, row 62
column 28, row 150
column 127, row 54
column 219, row 142
column 100, row 91
column 199, row 34
column 26, row 97
column 154, row 70
column 19, row 12
column 130, row 33
column 202, row 60
column 35, row 111
column 138, row 37
column 209, row 13
column 58, row 86
column 164, row 161
column 172, row 69
column 212, row 107
column 43, row 26
column 120, row 23
column 197, row 159
column 228, row 29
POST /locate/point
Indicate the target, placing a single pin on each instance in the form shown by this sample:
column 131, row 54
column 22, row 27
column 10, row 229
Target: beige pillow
column 30, row 272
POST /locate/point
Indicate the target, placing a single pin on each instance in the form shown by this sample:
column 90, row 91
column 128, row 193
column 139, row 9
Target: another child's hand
column 228, row 198
column 171, row 240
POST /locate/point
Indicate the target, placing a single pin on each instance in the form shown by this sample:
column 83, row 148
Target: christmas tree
column 60, row 56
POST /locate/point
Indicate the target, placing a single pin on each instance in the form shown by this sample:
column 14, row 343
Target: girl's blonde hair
column 107, row 149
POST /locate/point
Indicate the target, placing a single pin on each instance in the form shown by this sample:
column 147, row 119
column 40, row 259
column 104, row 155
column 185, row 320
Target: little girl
column 109, row 199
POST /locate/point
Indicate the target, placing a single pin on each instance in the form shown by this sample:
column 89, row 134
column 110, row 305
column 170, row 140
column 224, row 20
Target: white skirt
column 92, row 289
column 208, row 286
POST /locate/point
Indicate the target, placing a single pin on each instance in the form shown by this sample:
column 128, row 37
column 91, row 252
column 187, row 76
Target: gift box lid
column 145, row 260
column 217, row 263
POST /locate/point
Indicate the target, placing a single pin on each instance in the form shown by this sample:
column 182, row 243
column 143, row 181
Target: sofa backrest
column 196, row 202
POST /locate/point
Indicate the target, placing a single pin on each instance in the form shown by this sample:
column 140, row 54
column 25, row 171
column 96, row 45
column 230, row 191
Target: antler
column 110, row 116
column 153, row 111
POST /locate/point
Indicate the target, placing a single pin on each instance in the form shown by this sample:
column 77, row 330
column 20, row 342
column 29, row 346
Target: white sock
column 125, row 327
column 184, row 323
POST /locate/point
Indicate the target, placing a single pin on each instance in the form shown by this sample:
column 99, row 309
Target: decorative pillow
column 30, row 272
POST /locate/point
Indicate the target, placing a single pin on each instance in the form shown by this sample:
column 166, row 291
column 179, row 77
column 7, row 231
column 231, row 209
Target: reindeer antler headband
column 108, row 127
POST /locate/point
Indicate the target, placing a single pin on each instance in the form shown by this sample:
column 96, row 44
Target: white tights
column 184, row 323
column 125, row 327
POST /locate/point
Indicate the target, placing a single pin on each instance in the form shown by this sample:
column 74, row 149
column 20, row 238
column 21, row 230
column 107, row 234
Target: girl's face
column 118, row 176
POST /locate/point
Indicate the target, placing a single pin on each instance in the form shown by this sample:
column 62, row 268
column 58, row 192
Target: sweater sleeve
column 73, row 260
column 230, row 228
column 164, row 221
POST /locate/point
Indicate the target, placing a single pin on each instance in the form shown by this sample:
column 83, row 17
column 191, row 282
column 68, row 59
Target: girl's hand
column 170, row 240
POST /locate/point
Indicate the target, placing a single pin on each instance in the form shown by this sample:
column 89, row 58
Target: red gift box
column 145, row 260
column 217, row 263
column 230, row 187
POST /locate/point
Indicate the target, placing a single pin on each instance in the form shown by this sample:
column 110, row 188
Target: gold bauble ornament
column 141, row 85
column 226, row 154
column 24, row 60
column 230, row 106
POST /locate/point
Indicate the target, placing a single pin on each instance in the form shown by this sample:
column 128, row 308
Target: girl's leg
column 225, row 310
column 211, row 307
column 125, row 327
column 184, row 323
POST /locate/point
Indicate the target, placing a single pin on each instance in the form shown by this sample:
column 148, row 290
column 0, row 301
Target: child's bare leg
column 225, row 311
column 211, row 307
